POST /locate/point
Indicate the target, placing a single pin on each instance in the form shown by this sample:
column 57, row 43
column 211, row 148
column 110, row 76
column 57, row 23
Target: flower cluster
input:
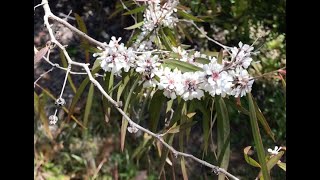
column 116, row 57
column 156, row 16
column 228, row 77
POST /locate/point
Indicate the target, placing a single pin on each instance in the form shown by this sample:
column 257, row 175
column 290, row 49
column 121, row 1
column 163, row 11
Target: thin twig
column 268, row 73
column 35, row 82
column 48, row 14
column 209, row 38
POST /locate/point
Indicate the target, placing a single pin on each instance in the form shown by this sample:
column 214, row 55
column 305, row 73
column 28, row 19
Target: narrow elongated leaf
column 263, row 121
column 36, row 102
column 202, row 60
column 182, row 66
column 164, row 153
column 88, row 105
column 134, row 26
column 81, row 24
column 260, row 116
column 205, row 124
column 84, row 42
column 124, row 124
column 220, row 56
column 272, row 162
column 257, row 138
column 184, row 32
column 136, row 10
column 177, row 112
column 223, row 134
column 282, row 166
column 43, row 117
column 155, row 109
column 122, row 86
column 189, row 16
column 172, row 38
column 165, row 40
column 181, row 127
column 79, row 92
column 183, row 169
column 249, row 160
column 147, row 141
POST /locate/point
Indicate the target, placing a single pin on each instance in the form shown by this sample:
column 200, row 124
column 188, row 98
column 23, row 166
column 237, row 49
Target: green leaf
column 202, row 60
column 124, row 124
column 84, row 42
column 88, row 105
column 169, row 34
column 183, row 169
column 235, row 106
column 205, row 123
column 36, row 102
column 177, row 113
column 263, row 121
column 155, row 109
column 220, row 56
column 42, row 115
column 223, row 134
column 78, row 158
column 175, row 129
column 260, row 116
column 164, row 153
column 134, row 26
column 272, row 162
column 189, row 16
column 136, row 10
column 124, row 82
column 182, row 66
column 65, row 65
column 249, row 160
column 282, row 166
column 79, row 92
column 257, row 138
column 184, row 32
column 147, row 142
column 164, row 40
column 80, row 23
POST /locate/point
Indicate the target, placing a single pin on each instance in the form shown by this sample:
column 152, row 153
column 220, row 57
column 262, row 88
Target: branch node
column 216, row 170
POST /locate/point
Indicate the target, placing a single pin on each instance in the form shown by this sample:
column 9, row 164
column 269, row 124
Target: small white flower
column 132, row 129
column 242, row 55
column 275, row 151
column 116, row 57
column 53, row 119
column 219, row 82
column 148, row 66
column 170, row 82
column 191, row 82
column 242, row 82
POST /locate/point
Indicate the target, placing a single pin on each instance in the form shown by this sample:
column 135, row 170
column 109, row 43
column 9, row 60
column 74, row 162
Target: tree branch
column 48, row 14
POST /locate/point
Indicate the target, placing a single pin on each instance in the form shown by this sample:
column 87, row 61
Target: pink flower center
column 215, row 76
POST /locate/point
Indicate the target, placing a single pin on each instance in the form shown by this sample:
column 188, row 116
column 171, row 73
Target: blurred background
column 94, row 153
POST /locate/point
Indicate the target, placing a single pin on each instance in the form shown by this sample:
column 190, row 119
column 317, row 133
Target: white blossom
column 242, row 82
column 171, row 83
column 219, row 82
column 116, row 57
column 191, row 82
column 148, row 66
column 242, row 55
column 275, row 151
